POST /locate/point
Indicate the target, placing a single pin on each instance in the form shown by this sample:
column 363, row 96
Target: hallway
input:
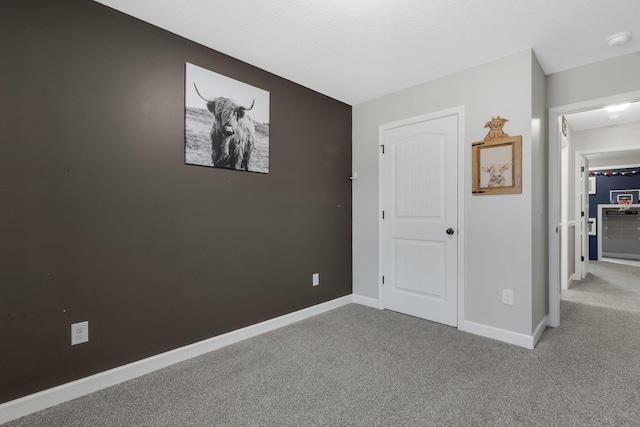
column 608, row 284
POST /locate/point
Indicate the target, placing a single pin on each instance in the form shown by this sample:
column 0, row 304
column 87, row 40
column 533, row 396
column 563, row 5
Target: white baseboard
column 570, row 281
column 515, row 338
column 54, row 396
column 369, row 302
column 540, row 329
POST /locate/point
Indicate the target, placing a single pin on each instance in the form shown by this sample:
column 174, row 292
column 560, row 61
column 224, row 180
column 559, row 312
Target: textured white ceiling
column 357, row 50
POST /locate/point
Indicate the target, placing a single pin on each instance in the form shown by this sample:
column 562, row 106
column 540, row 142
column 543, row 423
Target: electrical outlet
column 316, row 279
column 79, row 333
column 507, row 296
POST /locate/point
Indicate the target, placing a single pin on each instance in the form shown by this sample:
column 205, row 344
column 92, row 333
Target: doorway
column 603, row 161
column 556, row 220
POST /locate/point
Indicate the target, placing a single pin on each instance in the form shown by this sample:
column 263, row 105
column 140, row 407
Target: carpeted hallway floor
column 358, row 366
column 608, row 284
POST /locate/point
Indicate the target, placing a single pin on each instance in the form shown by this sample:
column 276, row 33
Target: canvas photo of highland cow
column 226, row 122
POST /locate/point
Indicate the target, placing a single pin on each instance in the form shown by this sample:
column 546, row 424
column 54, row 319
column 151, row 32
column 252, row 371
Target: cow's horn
column 247, row 109
column 198, row 92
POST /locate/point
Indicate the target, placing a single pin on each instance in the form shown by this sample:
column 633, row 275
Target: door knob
column 450, row 231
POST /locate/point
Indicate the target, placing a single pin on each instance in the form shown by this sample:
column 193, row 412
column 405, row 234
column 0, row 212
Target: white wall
column 564, row 223
column 497, row 229
column 594, row 81
column 571, row 180
column 609, row 162
column 610, row 136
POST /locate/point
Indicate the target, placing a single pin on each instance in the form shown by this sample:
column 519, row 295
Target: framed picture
column 226, row 122
column 496, row 166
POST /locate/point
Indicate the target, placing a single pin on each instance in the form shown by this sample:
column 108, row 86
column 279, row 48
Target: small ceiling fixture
column 619, row 39
column 616, row 108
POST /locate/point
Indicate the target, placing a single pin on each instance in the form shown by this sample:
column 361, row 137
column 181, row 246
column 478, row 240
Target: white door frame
column 564, row 218
column 554, row 190
column 459, row 111
column 578, row 155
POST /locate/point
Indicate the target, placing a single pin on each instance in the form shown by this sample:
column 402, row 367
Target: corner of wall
column 539, row 194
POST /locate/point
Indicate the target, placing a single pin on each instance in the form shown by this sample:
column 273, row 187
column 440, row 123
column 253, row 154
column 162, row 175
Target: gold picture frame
column 496, row 166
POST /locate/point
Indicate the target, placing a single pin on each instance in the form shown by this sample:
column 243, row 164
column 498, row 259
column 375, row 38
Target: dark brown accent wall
column 101, row 220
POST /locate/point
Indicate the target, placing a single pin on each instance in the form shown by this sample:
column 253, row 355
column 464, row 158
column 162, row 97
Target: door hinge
column 382, row 145
column 582, row 214
column 382, row 214
column 581, row 168
column 383, row 280
column 582, row 258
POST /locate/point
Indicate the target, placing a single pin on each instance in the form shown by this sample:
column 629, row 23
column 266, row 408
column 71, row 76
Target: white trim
column 564, row 211
column 381, row 130
column 462, row 155
column 612, row 149
column 380, row 208
column 369, row 302
column 554, row 215
column 54, row 396
column 510, row 337
column 554, row 191
column 540, row 329
column 459, row 112
column 571, row 279
column 601, row 168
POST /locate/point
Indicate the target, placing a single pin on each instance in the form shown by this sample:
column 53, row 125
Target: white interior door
column 584, row 219
column 419, row 230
